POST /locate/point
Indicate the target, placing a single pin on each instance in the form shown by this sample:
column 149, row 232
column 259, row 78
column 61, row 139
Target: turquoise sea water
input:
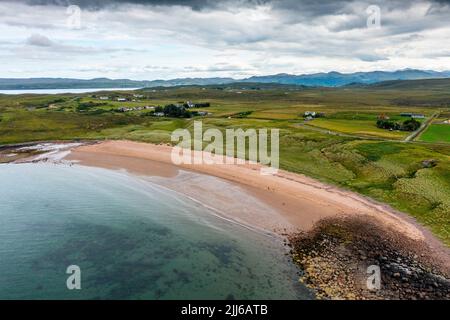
column 131, row 239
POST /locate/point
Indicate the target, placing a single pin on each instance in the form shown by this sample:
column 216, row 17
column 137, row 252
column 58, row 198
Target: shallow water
column 131, row 239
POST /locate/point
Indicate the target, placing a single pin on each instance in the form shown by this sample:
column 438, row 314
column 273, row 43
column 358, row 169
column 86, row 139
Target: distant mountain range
column 330, row 79
column 336, row 79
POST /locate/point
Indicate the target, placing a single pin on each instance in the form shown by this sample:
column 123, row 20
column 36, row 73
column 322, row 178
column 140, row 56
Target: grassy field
column 357, row 127
column 437, row 133
column 371, row 161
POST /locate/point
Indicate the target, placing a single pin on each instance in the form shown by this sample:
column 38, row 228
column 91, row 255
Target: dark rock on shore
column 355, row 258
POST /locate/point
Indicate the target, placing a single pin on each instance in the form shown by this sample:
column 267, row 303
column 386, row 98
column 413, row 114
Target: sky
column 166, row 39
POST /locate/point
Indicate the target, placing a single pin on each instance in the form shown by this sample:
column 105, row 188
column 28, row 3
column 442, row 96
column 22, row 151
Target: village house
column 309, row 115
column 383, row 117
column 127, row 109
column 104, row 98
column 189, row 104
column 121, row 99
column 412, row 115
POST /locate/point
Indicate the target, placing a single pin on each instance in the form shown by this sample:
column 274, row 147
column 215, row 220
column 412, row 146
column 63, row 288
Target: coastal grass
column 345, row 148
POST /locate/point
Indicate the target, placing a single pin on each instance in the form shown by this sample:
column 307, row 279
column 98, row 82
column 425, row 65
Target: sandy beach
column 291, row 201
column 295, row 207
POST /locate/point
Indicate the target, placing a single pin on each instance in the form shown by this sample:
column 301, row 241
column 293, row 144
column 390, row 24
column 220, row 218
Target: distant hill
column 336, row 79
column 330, row 79
column 235, row 86
column 101, row 83
column 428, row 84
column 405, row 92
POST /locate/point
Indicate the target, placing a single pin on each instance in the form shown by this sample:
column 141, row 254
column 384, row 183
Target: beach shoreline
column 285, row 205
column 301, row 200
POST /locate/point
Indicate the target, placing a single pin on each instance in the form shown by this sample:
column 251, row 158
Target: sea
column 127, row 238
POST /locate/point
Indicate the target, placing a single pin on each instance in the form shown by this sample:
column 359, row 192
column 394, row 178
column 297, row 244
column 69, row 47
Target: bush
column 386, row 124
column 172, row 110
column 411, row 125
column 88, row 105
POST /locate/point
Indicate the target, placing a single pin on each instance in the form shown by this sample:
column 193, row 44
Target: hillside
column 330, row 79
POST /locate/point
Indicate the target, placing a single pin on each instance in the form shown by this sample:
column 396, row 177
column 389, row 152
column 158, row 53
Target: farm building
column 412, row 115
column 313, row 114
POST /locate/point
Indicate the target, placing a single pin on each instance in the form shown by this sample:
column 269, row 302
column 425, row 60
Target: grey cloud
column 309, row 8
column 99, row 4
column 44, row 43
column 371, row 57
column 219, row 67
column 39, row 41
column 290, row 11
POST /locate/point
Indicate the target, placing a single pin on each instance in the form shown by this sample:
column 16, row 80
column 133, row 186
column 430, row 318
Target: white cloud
column 154, row 41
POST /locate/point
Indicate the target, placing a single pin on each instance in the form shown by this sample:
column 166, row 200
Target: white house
column 310, row 114
column 190, row 104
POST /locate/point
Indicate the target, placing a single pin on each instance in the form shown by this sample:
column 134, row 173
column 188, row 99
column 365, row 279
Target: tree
column 411, row 125
column 386, row 124
column 408, row 125
column 175, row 111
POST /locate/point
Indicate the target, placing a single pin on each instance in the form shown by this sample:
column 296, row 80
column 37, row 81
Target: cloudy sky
column 165, row 39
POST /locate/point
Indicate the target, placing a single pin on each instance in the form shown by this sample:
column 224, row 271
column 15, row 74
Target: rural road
column 422, row 128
